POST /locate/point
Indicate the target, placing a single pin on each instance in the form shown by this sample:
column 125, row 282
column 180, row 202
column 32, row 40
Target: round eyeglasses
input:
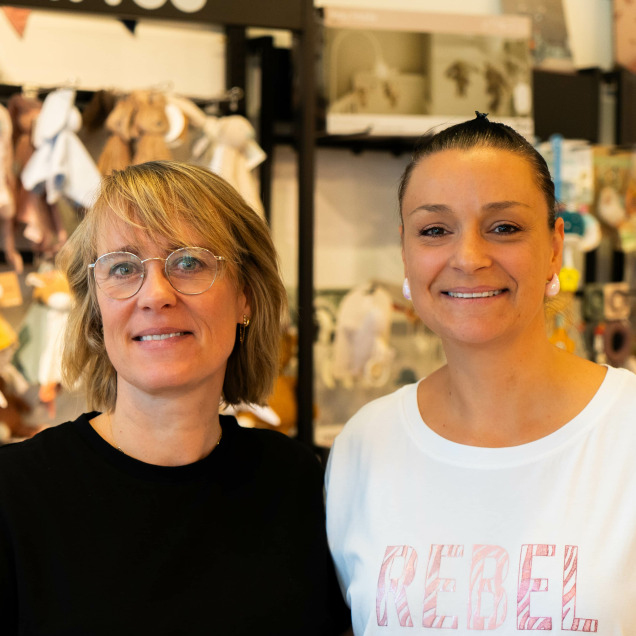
column 190, row 270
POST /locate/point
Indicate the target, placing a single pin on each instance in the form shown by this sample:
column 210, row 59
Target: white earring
column 553, row 286
column 406, row 289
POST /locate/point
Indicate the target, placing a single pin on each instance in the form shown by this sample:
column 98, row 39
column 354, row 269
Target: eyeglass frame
column 222, row 259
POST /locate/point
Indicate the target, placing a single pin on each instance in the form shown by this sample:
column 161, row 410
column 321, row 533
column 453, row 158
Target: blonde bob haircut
column 176, row 202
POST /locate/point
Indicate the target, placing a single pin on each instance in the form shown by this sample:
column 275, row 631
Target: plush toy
column 228, row 147
column 116, row 154
column 96, row 112
column 42, row 334
column 362, row 353
column 150, row 125
column 60, row 164
column 235, row 155
column 32, row 210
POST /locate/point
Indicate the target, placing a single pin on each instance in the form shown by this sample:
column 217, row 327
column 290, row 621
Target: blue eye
column 188, row 263
column 124, row 269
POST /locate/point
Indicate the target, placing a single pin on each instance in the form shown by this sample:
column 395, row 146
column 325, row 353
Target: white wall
column 356, row 214
column 99, row 52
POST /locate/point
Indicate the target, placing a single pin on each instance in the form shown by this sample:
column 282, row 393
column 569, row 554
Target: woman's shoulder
column 373, row 413
column 36, row 456
column 379, row 418
column 52, row 435
column 626, row 377
column 619, row 388
column 273, row 445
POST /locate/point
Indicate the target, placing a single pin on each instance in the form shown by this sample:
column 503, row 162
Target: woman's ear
column 244, row 303
column 402, row 246
column 558, row 240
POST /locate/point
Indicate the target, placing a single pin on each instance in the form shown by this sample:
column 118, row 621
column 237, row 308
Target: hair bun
column 481, row 115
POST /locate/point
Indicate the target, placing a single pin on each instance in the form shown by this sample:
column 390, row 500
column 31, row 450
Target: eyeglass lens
column 190, row 270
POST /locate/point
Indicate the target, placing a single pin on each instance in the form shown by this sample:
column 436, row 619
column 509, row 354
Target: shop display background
column 356, row 224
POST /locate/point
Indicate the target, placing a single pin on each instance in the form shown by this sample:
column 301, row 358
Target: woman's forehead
column 117, row 235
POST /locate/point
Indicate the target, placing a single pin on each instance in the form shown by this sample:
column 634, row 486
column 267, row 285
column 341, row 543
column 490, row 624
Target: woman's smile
column 472, row 295
column 153, row 335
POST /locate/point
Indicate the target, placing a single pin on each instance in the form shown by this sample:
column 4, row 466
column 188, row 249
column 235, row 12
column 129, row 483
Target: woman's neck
column 506, row 395
column 162, row 431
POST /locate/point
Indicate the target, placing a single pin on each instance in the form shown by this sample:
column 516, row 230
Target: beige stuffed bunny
column 116, row 154
column 150, row 126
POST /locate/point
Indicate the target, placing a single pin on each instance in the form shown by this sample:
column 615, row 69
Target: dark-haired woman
column 498, row 493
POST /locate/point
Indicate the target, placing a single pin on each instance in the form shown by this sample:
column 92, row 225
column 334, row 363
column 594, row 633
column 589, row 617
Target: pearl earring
column 553, row 286
column 406, row 289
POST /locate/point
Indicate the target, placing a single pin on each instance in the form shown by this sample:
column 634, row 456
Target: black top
column 93, row 542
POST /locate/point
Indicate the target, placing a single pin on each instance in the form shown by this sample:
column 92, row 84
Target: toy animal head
column 150, row 117
column 120, row 120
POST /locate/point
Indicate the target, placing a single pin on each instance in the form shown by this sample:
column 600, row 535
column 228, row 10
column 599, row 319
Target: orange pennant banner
column 18, row 18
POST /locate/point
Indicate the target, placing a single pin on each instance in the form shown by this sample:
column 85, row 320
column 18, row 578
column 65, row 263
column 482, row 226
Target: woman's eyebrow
column 126, row 248
column 431, row 207
column 503, row 205
column 493, row 206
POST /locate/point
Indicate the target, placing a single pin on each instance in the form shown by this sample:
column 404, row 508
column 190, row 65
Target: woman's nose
column 156, row 290
column 471, row 251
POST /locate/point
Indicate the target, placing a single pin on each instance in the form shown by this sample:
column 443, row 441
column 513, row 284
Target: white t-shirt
column 434, row 537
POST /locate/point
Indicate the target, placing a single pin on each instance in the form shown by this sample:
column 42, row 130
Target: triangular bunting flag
column 18, row 18
column 131, row 25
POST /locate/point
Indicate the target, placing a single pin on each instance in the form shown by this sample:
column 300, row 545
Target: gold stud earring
column 246, row 322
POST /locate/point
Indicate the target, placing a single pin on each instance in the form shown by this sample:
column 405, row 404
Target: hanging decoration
column 227, row 146
column 149, row 126
column 18, row 18
column 60, row 164
column 41, row 221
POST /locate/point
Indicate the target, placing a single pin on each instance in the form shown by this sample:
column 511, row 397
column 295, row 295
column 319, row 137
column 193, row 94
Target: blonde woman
column 153, row 513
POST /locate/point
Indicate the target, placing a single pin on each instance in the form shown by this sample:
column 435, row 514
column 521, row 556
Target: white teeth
column 162, row 336
column 487, row 294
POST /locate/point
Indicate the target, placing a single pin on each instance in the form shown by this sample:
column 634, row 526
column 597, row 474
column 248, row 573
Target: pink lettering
column 434, row 585
column 493, row 586
column 569, row 620
column 395, row 586
column 527, row 585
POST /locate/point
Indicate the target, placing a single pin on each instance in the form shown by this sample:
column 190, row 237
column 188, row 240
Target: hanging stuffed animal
column 116, row 154
column 60, row 164
column 150, row 125
column 228, row 147
column 38, row 217
column 235, row 155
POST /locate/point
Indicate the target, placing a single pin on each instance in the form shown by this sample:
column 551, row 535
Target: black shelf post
column 305, row 103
